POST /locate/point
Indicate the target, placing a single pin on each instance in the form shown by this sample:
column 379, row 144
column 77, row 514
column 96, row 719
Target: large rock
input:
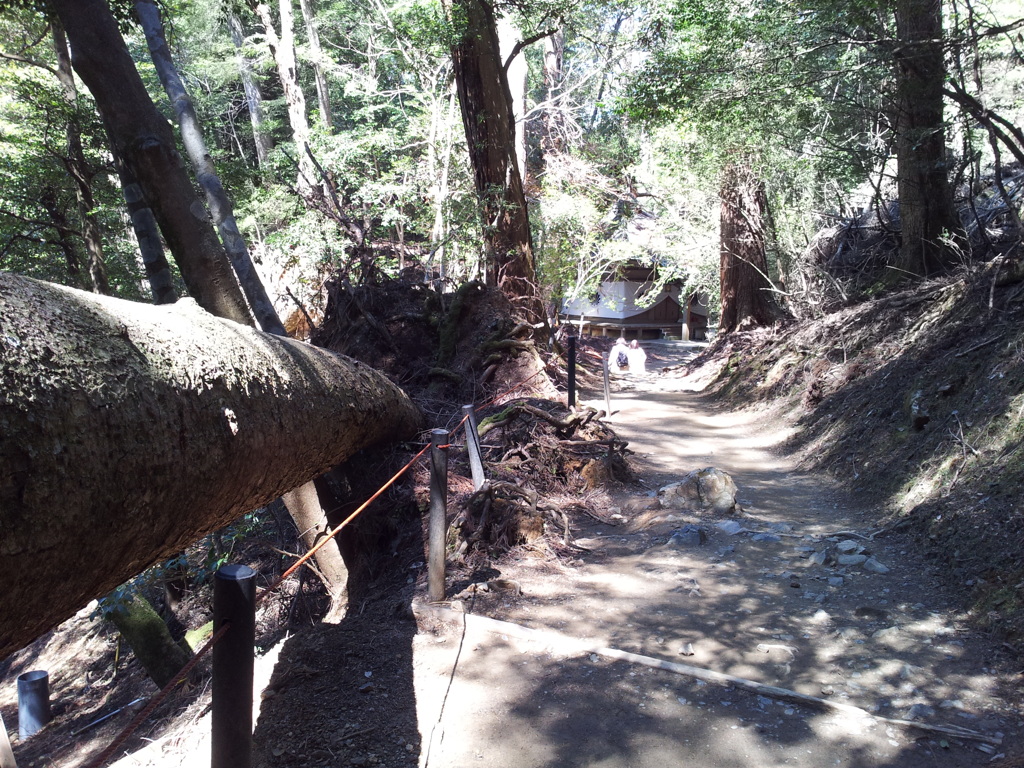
column 703, row 490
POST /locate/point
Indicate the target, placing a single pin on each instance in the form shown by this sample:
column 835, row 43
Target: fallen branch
column 574, row 645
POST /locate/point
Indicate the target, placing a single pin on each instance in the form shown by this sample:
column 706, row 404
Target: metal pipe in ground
column 33, row 702
column 234, row 603
column 572, row 371
column 476, row 461
column 438, row 513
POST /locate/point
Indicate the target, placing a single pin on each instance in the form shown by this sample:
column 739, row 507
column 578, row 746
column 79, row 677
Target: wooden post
column 476, row 462
column 572, row 371
column 686, row 318
column 438, row 513
column 607, row 388
column 234, row 603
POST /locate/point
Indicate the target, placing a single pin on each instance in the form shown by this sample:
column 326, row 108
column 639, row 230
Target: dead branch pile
column 544, row 465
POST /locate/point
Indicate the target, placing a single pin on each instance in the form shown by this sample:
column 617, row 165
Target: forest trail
column 753, row 604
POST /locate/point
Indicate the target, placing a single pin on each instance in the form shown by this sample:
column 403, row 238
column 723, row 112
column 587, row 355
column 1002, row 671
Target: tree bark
column 489, row 122
column 144, row 141
column 747, row 300
column 930, row 230
column 129, row 430
column 217, row 199
column 253, row 97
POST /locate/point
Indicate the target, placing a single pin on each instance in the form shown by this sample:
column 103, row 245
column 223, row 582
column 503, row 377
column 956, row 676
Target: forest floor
column 757, row 595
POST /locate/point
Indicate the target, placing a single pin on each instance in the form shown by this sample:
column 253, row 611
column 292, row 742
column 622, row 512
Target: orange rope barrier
column 155, row 701
column 334, row 532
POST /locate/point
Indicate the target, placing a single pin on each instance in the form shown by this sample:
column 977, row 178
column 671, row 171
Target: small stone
column 851, row 559
column 827, row 690
column 849, row 547
column 687, row 649
column 780, row 527
column 366, row 687
column 820, row 558
column 688, row 536
column 835, row 581
column 874, row 566
column 821, row 617
column 765, row 537
column 920, row 712
column 951, row 704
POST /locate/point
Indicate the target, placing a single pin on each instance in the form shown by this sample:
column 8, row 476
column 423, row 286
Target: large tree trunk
column 129, row 430
column 747, row 299
column 930, row 230
column 144, row 141
column 206, row 174
column 489, row 121
column 253, row 97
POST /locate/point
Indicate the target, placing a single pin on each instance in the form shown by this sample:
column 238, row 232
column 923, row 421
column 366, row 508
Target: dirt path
column 763, row 600
column 753, row 604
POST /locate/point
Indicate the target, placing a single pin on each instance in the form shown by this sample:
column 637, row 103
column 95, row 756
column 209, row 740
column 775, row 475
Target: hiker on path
column 618, row 358
column 637, row 358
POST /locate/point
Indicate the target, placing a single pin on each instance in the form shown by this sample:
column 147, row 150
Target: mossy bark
column 151, row 642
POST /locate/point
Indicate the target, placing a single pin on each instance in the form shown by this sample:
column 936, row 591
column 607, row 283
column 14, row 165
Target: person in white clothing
column 637, row 357
column 618, row 358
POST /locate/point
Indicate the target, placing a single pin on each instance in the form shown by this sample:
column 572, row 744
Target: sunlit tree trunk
column 282, row 46
column 323, row 93
column 217, row 199
column 747, row 299
column 253, row 97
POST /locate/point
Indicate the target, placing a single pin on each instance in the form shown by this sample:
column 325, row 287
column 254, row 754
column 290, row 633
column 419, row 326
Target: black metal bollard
column 476, row 462
column 607, row 389
column 234, row 603
column 572, row 371
column 438, row 513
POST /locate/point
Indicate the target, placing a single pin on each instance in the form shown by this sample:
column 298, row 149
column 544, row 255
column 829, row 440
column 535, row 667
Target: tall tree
column 747, row 299
column 253, row 97
column 281, row 40
column 217, row 199
column 144, row 141
column 931, row 234
column 316, row 52
column 488, row 118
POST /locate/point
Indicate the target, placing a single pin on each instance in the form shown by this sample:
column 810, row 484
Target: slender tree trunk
column 154, row 260
column 129, row 430
column 79, row 170
column 489, row 122
column 253, row 97
column 217, row 199
column 323, row 93
column 282, row 46
column 59, row 221
column 145, row 142
column 553, row 135
column 747, row 300
column 930, row 230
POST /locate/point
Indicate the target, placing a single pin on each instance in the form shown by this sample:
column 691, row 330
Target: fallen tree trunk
column 129, row 430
